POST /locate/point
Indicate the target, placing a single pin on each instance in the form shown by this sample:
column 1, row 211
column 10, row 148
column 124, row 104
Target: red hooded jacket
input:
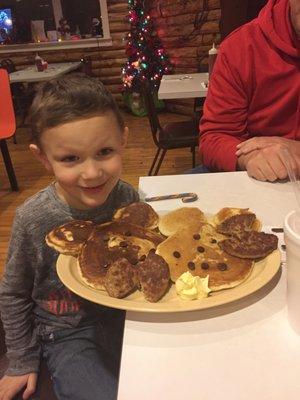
column 254, row 89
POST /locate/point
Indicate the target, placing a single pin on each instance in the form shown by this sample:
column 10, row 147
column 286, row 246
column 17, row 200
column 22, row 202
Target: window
column 41, row 20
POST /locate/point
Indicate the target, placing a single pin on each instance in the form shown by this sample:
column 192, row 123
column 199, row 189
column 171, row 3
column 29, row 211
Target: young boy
column 79, row 136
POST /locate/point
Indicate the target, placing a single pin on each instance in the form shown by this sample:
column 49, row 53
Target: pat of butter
column 189, row 287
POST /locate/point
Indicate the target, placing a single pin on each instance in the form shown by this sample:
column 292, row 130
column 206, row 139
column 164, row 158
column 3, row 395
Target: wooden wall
column 187, row 29
column 107, row 62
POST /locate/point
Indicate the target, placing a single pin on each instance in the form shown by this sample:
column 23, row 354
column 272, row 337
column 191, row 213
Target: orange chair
column 7, row 125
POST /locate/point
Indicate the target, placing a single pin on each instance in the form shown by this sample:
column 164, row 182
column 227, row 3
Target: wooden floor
column 32, row 177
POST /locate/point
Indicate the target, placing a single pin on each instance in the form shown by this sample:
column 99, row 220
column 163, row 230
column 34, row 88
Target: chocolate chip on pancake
column 210, row 260
column 138, row 213
column 250, row 245
column 237, row 224
column 121, row 279
column 69, row 238
column 154, row 277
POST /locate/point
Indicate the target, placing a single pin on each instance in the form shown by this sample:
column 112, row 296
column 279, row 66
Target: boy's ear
column 125, row 137
column 40, row 156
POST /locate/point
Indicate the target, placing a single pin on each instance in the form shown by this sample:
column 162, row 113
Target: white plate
column 263, row 272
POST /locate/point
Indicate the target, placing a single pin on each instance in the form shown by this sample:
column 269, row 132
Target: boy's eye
column 69, row 159
column 106, row 151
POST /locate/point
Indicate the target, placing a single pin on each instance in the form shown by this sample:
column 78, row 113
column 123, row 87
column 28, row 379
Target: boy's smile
column 85, row 156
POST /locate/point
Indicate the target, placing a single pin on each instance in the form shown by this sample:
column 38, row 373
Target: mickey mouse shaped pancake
column 69, row 238
column 199, row 253
column 111, row 242
column 244, row 241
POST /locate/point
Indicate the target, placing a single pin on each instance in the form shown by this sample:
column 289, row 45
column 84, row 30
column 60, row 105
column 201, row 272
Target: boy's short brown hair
column 69, row 98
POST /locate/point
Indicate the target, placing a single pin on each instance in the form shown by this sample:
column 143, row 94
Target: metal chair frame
column 163, row 136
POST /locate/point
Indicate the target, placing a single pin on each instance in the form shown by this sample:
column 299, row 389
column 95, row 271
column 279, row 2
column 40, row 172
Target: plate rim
column 66, row 264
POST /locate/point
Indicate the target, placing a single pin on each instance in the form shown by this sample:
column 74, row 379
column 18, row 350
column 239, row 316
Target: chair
column 7, row 125
column 22, row 95
column 174, row 135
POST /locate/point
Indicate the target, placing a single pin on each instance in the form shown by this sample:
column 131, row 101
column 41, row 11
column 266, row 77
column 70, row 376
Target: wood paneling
column 187, row 29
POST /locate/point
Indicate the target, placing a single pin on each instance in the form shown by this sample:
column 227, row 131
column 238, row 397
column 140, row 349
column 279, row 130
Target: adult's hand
column 261, row 142
column 11, row 385
column 266, row 164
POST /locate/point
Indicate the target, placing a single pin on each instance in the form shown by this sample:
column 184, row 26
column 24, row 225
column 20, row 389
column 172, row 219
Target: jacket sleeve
column 16, row 305
column 224, row 120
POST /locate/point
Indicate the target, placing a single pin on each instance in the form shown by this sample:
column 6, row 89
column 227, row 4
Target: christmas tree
column 146, row 55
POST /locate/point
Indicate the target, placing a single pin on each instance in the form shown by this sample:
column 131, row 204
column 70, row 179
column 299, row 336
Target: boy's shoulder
column 125, row 191
column 37, row 206
column 37, row 200
column 125, row 187
column 123, row 194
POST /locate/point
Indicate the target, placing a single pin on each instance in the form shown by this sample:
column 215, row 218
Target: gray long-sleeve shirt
column 32, row 298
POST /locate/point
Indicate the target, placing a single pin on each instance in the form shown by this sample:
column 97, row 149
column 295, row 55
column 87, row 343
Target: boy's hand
column 11, row 385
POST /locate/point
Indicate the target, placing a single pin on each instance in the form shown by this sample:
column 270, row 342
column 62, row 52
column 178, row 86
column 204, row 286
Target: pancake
column 69, row 238
column 121, row 279
column 154, row 277
column 251, row 245
column 184, row 217
column 237, row 224
column 138, row 213
column 200, row 254
column 111, row 242
column 228, row 212
column 127, row 229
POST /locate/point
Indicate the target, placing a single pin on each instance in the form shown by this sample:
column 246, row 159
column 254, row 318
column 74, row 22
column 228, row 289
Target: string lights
column 146, row 56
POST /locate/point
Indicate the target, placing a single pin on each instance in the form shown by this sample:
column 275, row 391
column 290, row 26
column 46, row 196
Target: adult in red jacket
column 252, row 110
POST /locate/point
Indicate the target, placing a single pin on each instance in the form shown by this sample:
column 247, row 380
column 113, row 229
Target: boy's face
column 86, row 158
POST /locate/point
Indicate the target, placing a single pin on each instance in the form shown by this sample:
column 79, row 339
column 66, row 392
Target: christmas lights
column 146, row 56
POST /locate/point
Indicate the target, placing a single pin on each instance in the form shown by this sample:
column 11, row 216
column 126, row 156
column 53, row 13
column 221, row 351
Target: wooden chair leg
column 160, row 161
column 154, row 161
column 193, row 150
column 8, row 165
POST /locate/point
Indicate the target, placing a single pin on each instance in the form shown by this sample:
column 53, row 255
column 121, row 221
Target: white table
column 183, row 86
column 30, row 74
column 241, row 351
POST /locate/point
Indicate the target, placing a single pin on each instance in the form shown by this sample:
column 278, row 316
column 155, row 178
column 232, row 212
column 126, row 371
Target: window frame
column 106, row 40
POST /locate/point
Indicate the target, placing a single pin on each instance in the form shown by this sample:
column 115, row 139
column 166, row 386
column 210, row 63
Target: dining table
column 54, row 70
column 243, row 349
column 182, row 86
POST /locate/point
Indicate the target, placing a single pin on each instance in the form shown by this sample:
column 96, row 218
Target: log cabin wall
column 107, row 62
column 187, row 29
